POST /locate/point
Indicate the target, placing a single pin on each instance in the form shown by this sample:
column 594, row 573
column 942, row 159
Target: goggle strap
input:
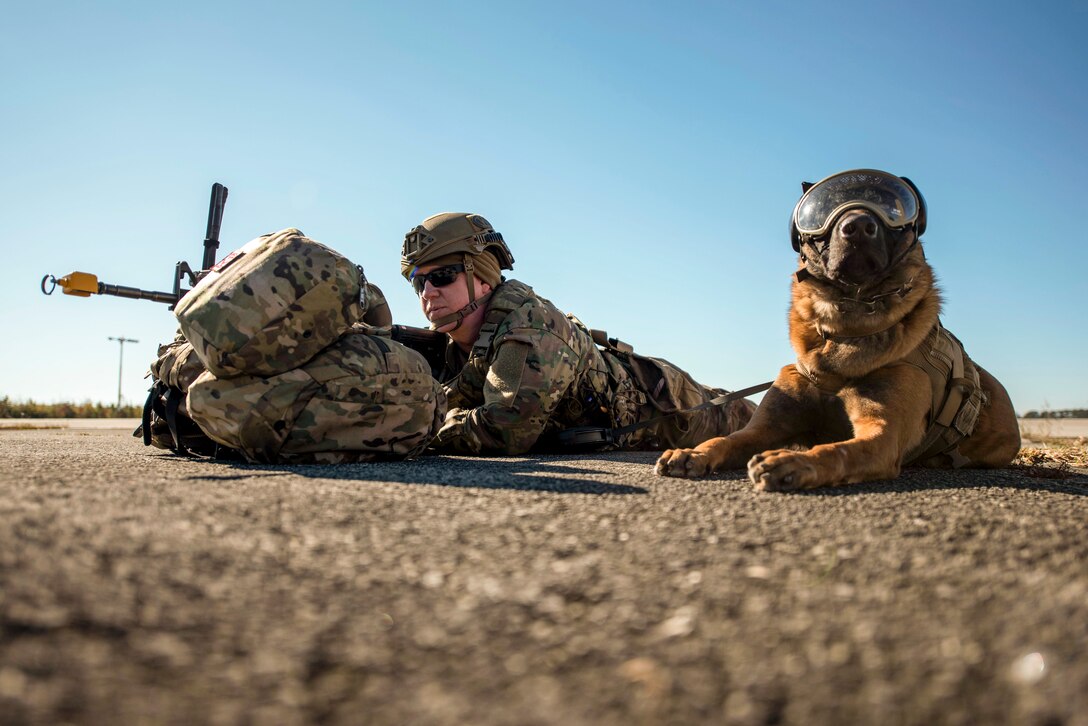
column 803, row 274
column 902, row 255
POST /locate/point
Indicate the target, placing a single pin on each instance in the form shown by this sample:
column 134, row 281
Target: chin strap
column 473, row 303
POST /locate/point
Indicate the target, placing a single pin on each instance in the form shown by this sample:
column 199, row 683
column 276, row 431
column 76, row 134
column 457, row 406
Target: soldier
column 517, row 370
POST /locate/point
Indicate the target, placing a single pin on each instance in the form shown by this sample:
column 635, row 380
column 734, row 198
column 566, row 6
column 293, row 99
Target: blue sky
column 641, row 159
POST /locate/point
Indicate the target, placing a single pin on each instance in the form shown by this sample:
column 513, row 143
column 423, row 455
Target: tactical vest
column 615, row 388
column 957, row 396
column 508, row 297
column 591, row 400
column 505, row 299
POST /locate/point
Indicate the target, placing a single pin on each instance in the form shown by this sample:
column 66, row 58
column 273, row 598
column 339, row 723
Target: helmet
column 453, row 233
column 450, row 233
column 893, row 198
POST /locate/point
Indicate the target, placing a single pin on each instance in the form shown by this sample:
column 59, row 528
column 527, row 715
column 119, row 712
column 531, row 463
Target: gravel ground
column 138, row 587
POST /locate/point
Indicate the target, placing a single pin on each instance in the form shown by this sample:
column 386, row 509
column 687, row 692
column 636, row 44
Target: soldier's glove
column 455, row 435
column 453, row 428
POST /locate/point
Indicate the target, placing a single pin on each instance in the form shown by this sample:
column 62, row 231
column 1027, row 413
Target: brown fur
column 868, row 412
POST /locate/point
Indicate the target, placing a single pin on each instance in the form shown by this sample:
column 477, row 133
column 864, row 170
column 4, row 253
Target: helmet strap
column 460, row 315
column 473, row 303
column 470, row 278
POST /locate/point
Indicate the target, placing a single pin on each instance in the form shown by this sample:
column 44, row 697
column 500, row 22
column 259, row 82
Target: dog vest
column 957, row 396
column 512, row 295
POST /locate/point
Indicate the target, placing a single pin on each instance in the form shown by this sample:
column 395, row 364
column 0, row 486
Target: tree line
column 1064, row 413
column 32, row 409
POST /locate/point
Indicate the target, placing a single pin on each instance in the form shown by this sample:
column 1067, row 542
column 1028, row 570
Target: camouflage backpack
column 359, row 399
column 166, row 423
column 365, row 397
column 271, row 306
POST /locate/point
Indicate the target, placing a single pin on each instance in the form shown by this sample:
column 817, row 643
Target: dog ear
column 805, row 186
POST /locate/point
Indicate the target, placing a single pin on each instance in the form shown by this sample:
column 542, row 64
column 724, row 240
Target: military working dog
column 878, row 382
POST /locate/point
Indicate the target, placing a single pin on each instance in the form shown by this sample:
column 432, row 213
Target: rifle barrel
column 215, row 221
column 136, row 293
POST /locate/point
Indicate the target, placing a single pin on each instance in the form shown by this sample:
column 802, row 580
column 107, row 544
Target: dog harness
column 957, row 396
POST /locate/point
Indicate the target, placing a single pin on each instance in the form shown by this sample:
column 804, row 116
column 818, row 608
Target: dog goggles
column 894, row 199
column 441, row 277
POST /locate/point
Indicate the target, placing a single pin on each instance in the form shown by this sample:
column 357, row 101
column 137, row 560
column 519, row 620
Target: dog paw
column 782, row 470
column 687, row 463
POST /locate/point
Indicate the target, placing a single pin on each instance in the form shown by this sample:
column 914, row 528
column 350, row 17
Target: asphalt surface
column 138, row 587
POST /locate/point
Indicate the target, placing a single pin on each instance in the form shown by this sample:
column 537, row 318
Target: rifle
column 85, row 284
column 430, row 344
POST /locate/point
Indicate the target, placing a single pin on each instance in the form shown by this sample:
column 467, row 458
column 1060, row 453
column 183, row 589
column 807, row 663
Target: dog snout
column 858, row 227
column 856, row 253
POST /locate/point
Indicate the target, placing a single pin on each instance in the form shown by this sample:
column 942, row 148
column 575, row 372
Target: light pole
column 120, row 363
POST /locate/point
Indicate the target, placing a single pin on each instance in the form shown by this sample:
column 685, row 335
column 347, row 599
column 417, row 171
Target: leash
column 591, row 437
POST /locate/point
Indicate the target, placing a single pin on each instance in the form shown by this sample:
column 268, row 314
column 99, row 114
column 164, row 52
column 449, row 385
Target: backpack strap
column 600, row 337
column 163, row 410
column 163, row 401
column 156, row 390
column 173, row 401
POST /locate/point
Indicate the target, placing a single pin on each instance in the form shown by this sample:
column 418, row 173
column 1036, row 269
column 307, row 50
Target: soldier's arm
column 530, row 372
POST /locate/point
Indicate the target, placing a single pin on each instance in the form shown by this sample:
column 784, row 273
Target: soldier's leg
column 681, row 392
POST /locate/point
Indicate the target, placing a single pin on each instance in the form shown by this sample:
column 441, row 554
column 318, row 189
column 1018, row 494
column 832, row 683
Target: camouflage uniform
column 535, row 371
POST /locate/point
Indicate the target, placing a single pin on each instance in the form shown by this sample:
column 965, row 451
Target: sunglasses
column 441, row 277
